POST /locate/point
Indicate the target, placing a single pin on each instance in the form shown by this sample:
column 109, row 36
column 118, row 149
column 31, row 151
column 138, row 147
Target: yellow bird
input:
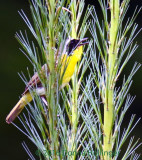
column 72, row 53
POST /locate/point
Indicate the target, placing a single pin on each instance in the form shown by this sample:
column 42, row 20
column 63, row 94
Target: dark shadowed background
column 13, row 61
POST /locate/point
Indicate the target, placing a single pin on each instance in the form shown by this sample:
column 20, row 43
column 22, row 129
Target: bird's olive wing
column 35, row 80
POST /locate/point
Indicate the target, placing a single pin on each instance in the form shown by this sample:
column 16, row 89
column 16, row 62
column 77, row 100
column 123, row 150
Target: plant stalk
column 52, row 79
column 74, row 122
column 110, row 83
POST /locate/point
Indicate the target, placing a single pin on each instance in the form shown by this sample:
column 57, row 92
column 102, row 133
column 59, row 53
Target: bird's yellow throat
column 68, row 65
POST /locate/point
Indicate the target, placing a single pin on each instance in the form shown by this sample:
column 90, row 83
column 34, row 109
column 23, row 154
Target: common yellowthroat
column 71, row 54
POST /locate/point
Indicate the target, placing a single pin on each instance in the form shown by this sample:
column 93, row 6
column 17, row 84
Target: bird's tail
column 25, row 99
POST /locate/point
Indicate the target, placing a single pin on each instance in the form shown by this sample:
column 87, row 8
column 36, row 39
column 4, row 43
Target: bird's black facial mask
column 72, row 46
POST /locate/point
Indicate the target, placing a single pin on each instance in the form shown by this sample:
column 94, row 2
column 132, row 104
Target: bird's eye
column 72, row 45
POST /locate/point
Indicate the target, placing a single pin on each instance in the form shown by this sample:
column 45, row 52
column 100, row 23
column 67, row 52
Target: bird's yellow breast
column 69, row 63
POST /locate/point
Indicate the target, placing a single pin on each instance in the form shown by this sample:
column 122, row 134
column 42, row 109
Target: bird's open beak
column 83, row 42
